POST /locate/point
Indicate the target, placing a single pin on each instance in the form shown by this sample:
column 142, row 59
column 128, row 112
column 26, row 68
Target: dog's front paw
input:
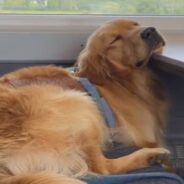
column 151, row 156
column 158, row 156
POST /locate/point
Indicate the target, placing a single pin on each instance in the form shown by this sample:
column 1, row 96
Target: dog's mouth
column 154, row 42
column 140, row 64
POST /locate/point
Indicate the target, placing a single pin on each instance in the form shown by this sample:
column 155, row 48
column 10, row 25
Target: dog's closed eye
column 116, row 38
column 136, row 24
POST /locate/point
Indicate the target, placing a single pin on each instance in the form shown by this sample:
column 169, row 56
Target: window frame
column 42, row 38
column 75, row 23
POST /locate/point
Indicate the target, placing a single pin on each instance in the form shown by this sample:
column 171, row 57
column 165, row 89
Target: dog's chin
column 145, row 61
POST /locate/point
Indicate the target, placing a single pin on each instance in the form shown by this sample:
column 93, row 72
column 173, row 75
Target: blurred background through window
column 97, row 7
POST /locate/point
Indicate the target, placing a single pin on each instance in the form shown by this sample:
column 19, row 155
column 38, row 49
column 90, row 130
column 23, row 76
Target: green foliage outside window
column 101, row 7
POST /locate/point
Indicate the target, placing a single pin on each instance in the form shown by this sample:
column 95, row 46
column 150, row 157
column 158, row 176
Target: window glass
column 100, row 7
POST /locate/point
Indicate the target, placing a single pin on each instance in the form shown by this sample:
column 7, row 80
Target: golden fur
column 52, row 132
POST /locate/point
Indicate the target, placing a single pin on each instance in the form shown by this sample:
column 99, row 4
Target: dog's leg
column 140, row 159
column 42, row 178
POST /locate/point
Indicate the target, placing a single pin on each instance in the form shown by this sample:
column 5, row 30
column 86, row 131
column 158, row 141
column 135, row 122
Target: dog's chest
column 136, row 122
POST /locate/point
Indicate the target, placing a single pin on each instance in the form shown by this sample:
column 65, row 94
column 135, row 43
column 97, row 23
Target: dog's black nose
column 151, row 36
column 148, row 33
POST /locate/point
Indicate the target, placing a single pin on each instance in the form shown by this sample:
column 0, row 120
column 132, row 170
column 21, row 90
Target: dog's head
column 117, row 47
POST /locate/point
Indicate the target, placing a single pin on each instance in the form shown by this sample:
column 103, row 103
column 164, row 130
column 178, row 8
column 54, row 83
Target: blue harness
column 104, row 106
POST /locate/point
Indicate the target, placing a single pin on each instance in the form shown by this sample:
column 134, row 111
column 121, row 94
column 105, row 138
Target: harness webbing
column 104, row 106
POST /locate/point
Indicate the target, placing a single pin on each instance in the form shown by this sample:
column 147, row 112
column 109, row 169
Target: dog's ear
column 92, row 66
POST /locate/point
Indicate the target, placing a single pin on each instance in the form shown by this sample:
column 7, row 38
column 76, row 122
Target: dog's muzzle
column 152, row 37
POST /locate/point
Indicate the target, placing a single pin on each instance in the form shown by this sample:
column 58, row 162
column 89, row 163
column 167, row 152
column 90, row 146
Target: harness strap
column 104, row 106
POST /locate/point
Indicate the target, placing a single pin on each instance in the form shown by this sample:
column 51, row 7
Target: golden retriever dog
column 53, row 132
